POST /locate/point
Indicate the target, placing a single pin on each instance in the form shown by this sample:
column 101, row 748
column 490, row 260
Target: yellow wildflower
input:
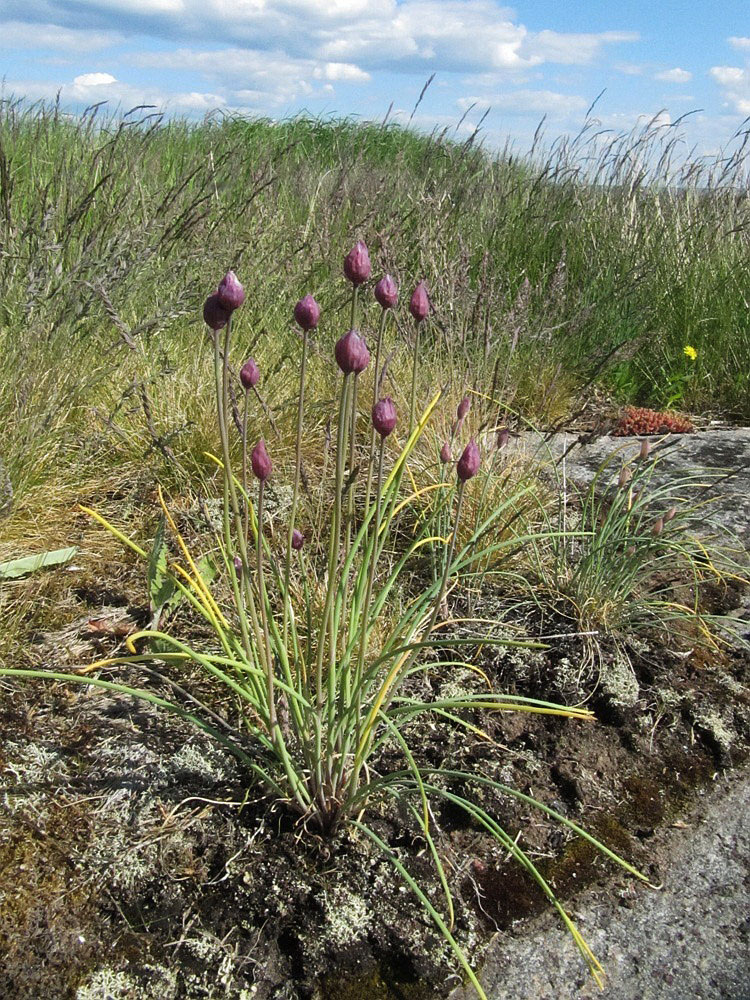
column 690, row 352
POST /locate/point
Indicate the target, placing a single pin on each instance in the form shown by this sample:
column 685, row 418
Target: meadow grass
column 598, row 261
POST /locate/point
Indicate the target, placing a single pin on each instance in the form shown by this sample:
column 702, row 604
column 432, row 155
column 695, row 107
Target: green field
column 554, row 271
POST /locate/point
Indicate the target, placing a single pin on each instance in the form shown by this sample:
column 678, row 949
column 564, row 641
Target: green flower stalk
column 307, row 315
column 419, row 307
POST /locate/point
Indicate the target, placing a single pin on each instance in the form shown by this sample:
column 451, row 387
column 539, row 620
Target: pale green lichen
column 619, row 682
column 347, row 917
column 117, row 984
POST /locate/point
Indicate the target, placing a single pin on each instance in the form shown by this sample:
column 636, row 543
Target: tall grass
column 598, row 260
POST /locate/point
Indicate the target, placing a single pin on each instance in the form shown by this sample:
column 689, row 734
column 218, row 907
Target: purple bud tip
column 249, row 374
column 670, row 514
column 503, row 436
column 463, row 408
column 625, row 476
column 468, row 463
column 307, row 313
column 230, row 292
column 260, row 461
column 352, row 355
column 645, row 449
column 419, row 306
column 386, row 292
column 238, row 566
column 298, row 539
column 445, row 453
column 357, row 265
column 215, row 314
column 384, row 416
column 658, row 526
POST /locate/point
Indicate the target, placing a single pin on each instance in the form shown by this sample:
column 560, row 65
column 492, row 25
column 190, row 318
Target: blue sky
column 356, row 57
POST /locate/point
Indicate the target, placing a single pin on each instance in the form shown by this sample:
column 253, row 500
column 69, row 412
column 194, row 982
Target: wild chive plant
column 318, row 658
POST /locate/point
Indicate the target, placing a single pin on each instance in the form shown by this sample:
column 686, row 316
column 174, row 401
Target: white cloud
column 124, row 95
column 21, row 35
column 738, row 42
column 573, row 49
column 675, row 75
column 94, row 80
column 255, row 77
column 346, row 72
column 528, row 102
column 450, row 35
column 735, row 86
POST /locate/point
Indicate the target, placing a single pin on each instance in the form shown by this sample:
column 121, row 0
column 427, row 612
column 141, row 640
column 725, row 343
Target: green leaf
column 30, row 564
column 161, row 587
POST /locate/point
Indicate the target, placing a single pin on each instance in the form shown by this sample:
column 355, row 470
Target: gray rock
column 724, row 452
column 689, row 939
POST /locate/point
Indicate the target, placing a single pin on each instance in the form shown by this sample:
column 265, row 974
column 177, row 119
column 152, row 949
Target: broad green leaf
column 30, row 564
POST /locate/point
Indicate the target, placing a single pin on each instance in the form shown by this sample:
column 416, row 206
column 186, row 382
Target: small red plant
column 637, row 420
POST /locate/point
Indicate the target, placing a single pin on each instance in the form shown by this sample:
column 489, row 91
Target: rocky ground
column 692, row 937
column 133, row 865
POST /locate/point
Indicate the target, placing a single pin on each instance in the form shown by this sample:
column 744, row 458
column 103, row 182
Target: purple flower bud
column 623, row 480
column 670, row 514
column 298, row 539
column 357, row 266
column 386, row 292
column 249, row 374
column 658, row 527
column 445, row 453
column 384, row 416
column 307, row 313
column 352, row 355
column 419, row 306
column 503, row 436
column 645, row 449
column 238, row 566
column 468, row 463
column 463, row 408
column 215, row 314
column 260, row 461
column 230, row 292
